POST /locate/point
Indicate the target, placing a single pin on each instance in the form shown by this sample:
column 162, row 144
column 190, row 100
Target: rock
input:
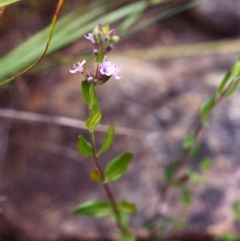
column 218, row 16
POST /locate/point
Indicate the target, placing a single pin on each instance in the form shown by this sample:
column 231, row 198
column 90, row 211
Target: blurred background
column 172, row 55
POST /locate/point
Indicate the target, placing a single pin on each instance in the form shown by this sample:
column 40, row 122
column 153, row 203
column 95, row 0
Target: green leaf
column 235, row 71
column 92, row 95
column 124, row 217
column 95, row 108
column 236, row 210
column 93, row 121
column 207, row 107
column 84, row 147
column 169, row 170
column 127, row 236
column 227, row 236
column 185, row 196
column 224, row 82
column 196, row 178
column 188, row 142
column 205, row 164
column 4, row 3
column 195, row 151
column 96, row 209
column 132, row 18
column 117, row 167
column 108, row 140
column 85, row 91
column 127, row 207
column 233, row 87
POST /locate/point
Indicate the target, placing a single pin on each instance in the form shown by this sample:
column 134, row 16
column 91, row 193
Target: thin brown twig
column 65, row 121
column 54, row 20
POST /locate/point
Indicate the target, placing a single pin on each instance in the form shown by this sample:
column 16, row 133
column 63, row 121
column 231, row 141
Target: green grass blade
column 4, row 3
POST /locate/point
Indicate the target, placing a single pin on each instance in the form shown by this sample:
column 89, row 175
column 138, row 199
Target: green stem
column 96, row 70
column 107, row 189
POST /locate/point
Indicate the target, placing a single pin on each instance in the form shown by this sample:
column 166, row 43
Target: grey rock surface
column 218, row 16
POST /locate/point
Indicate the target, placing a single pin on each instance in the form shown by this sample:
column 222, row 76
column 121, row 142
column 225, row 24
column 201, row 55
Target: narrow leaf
column 186, row 197
column 85, row 91
column 196, row 178
column 236, row 210
column 207, row 107
column 233, row 87
column 7, row 2
column 188, row 142
column 127, row 236
column 205, row 164
column 84, row 147
column 95, row 108
column 227, row 236
column 127, row 207
column 195, row 151
column 235, row 71
column 131, row 18
column 124, row 217
column 117, row 167
column 108, row 140
column 93, row 121
column 224, row 82
column 96, row 208
column 92, row 95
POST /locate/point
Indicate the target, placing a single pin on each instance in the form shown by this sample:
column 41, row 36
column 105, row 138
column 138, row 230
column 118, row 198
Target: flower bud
column 111, row 33
column 114, row 39
column 106, row 39
column 105, row 29
column 90, row 79
column 109, row 48
column 95, row 52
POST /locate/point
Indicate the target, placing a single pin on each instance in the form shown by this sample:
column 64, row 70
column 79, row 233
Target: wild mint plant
column 102, row 39
column 226, row 88
column 177, row 174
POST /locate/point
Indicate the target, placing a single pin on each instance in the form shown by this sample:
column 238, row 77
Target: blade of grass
column 163, row 16
column 66, row 32
column 73, row 26
column 59, row 5
column 215, row 47
column 4, row 3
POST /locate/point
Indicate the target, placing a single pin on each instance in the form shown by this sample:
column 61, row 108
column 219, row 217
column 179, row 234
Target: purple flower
column 109, row 69
column 102, row 38
column 90, row 37
column 77, row 67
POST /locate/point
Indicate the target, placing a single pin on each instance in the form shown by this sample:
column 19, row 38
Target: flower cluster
column 102, row 39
